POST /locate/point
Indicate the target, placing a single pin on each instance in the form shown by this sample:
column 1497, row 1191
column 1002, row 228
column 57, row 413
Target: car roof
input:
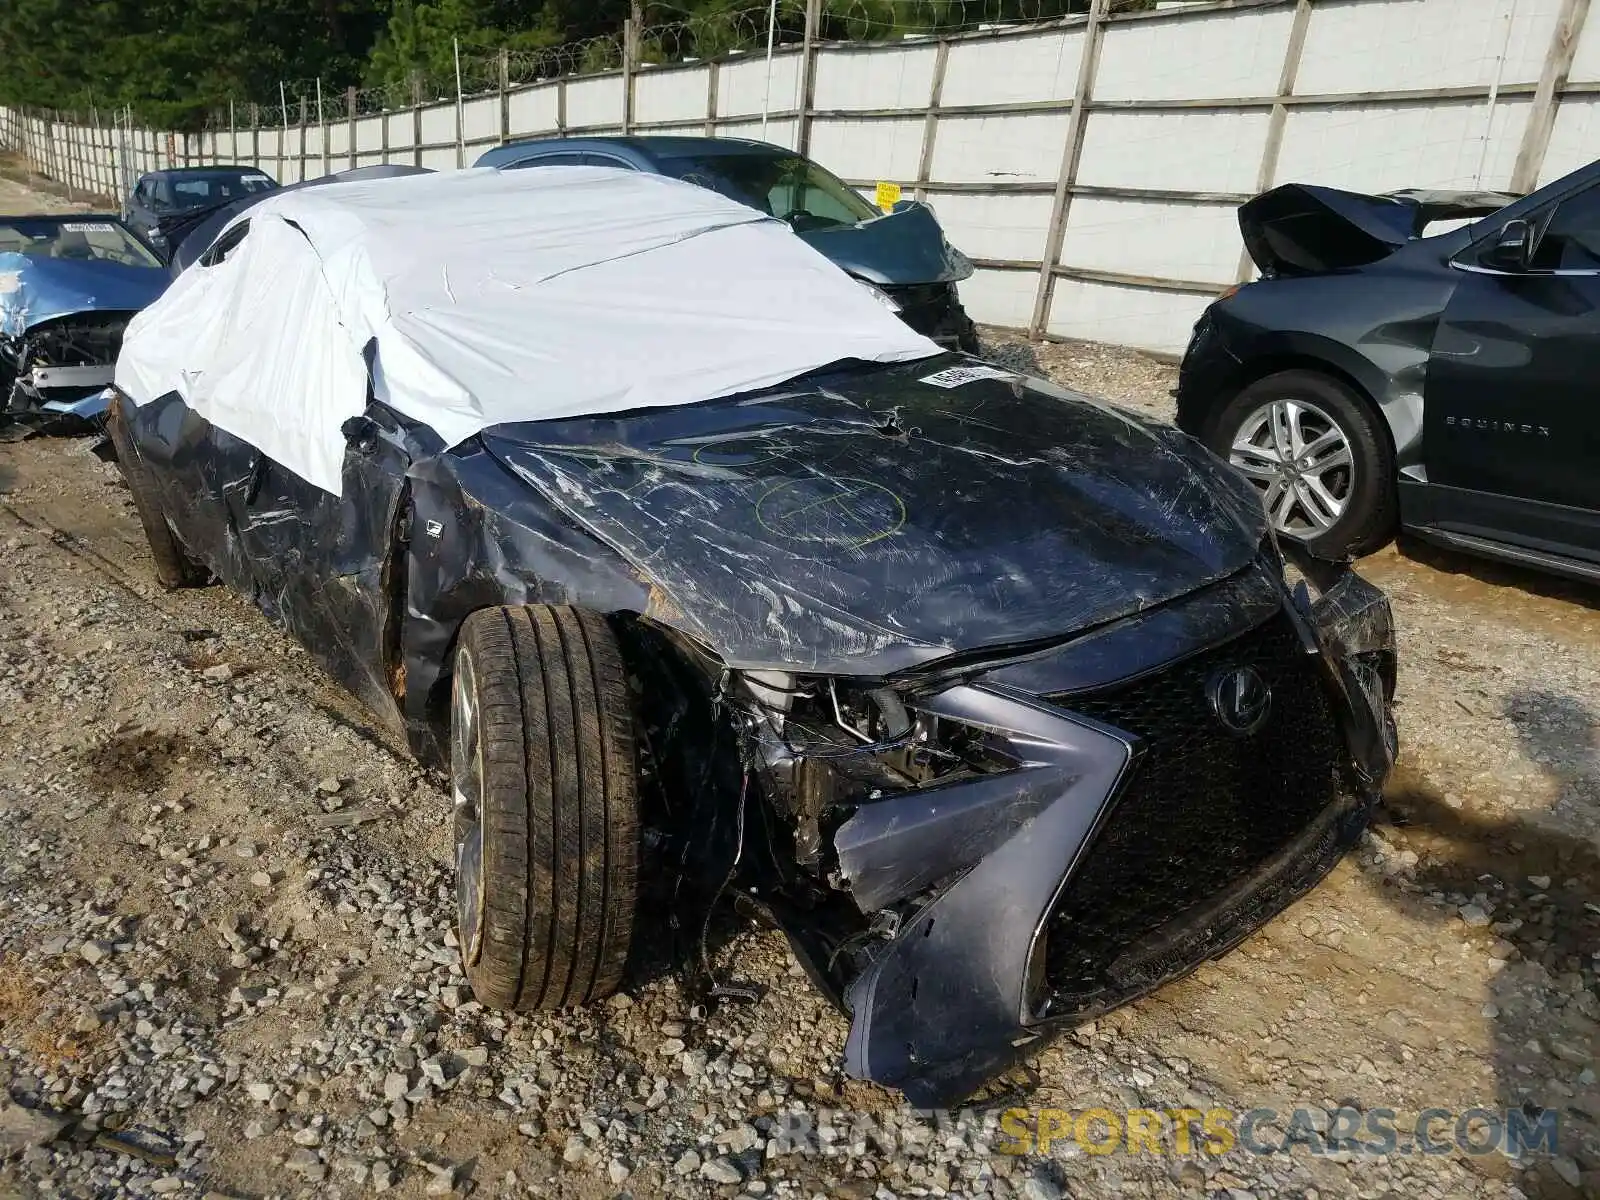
column 60, row 217
column 649, row 145
column 215, row 169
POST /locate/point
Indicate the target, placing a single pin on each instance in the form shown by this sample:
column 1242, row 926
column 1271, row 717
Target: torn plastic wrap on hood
column 484, row 297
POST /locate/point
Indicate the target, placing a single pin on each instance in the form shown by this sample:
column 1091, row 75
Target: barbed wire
column 684, row 35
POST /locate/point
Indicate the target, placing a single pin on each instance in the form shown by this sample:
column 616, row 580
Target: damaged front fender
column 942, row 1007
column 1037, row 898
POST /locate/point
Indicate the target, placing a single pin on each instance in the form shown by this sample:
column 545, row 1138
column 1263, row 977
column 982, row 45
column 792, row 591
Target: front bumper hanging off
column 1134, row 842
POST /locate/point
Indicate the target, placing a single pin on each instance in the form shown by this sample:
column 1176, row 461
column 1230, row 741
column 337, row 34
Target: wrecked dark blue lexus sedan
column 640, row 517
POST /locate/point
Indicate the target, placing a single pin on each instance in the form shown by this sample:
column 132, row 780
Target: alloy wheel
column 1301, row 463
column 466, row 785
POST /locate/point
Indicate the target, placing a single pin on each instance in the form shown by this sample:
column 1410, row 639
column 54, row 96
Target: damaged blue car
column 69, row 285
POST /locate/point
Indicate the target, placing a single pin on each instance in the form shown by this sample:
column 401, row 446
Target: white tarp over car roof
column 491, row 297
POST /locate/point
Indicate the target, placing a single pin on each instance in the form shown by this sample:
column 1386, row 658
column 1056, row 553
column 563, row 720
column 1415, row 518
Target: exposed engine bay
column 865, row 817
column 60, row 361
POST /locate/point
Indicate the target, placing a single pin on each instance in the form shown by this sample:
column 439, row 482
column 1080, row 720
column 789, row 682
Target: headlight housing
column 881, row 296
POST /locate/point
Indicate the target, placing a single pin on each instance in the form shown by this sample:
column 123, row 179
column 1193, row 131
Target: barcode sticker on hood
column 952, row 377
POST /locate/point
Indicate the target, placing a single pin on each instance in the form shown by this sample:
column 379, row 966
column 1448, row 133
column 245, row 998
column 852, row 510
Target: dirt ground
column 226, row 963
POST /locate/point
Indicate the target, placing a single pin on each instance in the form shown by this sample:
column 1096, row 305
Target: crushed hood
column 866, row 522
column 901, row 248
column 35, row 289
column 1301, row 229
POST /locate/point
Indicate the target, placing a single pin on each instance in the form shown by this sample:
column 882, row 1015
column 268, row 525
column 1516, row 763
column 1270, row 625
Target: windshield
column 85, row 241
column 187, row 192
column 787, row 186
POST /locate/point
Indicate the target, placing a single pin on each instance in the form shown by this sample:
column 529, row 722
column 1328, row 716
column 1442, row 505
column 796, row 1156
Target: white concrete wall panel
column 1125, row 316
column 1374, row 148
column 1586, row 61
column 369, row 133
column 1000, row 297
column 594, row 101
column 892, row 77
column 1175, row 150
column 1575, row 140
column 438, row 124
column 1013, row 70
column 1004, row 226
column 670, row 95
column 1023, row 148
column 779, row 133
column 1361, row 46
column 480, row 119
column 1200, row 57
column 440, row 160
column 534, row 110
column 1164, row 240
column 338, row 139
column 742, row 87
column 869, row 149
column 402, row 131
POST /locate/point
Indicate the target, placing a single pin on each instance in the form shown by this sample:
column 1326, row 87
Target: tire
column 545, row 780
column 174, row 567
column 1368, row 514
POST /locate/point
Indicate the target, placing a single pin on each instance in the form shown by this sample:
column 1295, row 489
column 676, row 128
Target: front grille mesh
column 1202, row 808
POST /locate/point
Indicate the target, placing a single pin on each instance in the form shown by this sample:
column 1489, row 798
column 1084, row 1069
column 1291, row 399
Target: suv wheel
column 1318, row 456
column 545, row 782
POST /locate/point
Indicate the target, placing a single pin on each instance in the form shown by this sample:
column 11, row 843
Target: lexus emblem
column 1240, row 698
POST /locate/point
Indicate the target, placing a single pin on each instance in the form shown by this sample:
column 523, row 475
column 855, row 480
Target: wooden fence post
column 255, row 135
column 561, row 107
column 1082, row 92
column 630, row 52
column 350, row 109
column 808, row 76
column 505, row 96
column 302, row 156
column 714, row 69
column 1547, row 96
column 930, row 123
column 68, row 122
column 1293, row 50
column 416, row 118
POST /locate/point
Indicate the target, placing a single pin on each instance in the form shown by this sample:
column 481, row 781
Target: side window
column 143, row 191
column 1571, row 240
column 225, row 245
column 607, row 160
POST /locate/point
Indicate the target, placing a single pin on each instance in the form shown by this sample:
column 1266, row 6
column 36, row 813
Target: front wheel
column 1318, row 456
column 173, row 565
column 545, row 783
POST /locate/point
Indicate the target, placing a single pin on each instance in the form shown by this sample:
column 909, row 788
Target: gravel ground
column 226, row 963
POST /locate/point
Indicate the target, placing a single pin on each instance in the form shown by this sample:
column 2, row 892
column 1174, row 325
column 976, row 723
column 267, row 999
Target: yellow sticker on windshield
column 888, row 195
